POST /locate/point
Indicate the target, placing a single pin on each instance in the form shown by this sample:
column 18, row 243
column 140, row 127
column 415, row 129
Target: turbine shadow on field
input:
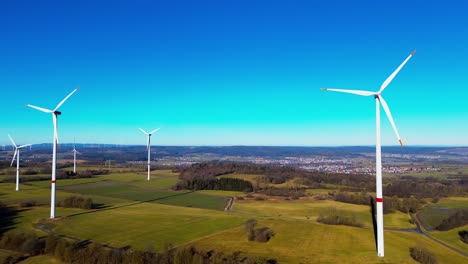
column 7, row 218
column 374, row 220
column 105, row 208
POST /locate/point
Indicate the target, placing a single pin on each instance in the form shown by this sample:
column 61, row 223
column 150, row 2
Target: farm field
column 298, row 241
column 146, row 224
column 139, row 213
column 310, row 210
column 432, row 214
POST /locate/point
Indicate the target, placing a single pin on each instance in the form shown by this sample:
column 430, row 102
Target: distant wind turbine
column 378, row 155
column 148, row 147
column 55, row 113
column 74, row 157
column 17, row 156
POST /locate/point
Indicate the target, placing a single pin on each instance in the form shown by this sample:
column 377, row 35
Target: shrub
column 250, row 228
column 263, row 234
column 24, row 242
column 336, row 217
column 77, row 202
column 422, row 255
column 28, row 203
column 463, row 236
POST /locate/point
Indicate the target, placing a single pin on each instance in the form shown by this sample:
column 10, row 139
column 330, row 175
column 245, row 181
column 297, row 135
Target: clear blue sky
column 233, row 72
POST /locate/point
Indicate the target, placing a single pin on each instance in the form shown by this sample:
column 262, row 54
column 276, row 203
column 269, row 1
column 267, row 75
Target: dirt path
column 230, row 203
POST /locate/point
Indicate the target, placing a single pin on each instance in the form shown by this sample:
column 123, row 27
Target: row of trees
column 457, row 219
column 274, row 174
column 404, row 187
column 423, row 255
column 226, row 184
column 70, row 251
column 60, row 175
column 422, row 188
column 390, row 205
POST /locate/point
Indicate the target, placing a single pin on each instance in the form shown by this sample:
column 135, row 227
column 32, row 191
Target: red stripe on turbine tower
column 379, row 200
column 53, row 181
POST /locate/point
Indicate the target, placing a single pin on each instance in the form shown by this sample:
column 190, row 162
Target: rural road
column 420, row 228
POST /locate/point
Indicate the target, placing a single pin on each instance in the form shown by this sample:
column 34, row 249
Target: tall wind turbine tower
column 55, row 113
column 148, row 147
column 17, row 155
column 378, row 153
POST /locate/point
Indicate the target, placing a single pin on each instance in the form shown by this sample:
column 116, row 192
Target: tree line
column 457, row 219
column 27, row 244
column 403, row 187
column 225, row 184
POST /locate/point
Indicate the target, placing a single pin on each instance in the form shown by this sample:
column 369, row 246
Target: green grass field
column 452, row 238
column 43, row 259
column 139, row 213
column 148, row 223
column 432, row 215
column 310, row 209
column 309, row 242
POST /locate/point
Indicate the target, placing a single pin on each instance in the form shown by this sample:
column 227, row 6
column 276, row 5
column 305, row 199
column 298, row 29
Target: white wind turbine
column 378, row 154
column 55, row 113
column 17, row 156
column 148, row 147
column 74, row 158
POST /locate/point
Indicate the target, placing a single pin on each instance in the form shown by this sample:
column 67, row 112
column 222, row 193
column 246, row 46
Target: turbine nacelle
column 57, row 113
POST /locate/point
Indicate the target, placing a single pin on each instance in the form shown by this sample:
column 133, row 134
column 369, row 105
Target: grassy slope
column 43, row 259
column 452, row 238
column 148, row 223
column 310, row 209
column 433, row 214
column 309, row 242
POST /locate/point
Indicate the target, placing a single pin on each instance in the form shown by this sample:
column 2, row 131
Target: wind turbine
column 17, row 156
column 148, row 147
column 74, row 158
column 378, row 153
column 55, row 113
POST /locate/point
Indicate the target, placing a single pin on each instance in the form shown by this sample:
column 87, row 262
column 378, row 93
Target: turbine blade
column 14, row 156
column 154, row 131
column 66, row 98
column 12, row 140
column 390, row 78
column 144, row 132
column 358, row 92
column 23, row 146
column 40, row 108
column 389, row 115
column 77, row 152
